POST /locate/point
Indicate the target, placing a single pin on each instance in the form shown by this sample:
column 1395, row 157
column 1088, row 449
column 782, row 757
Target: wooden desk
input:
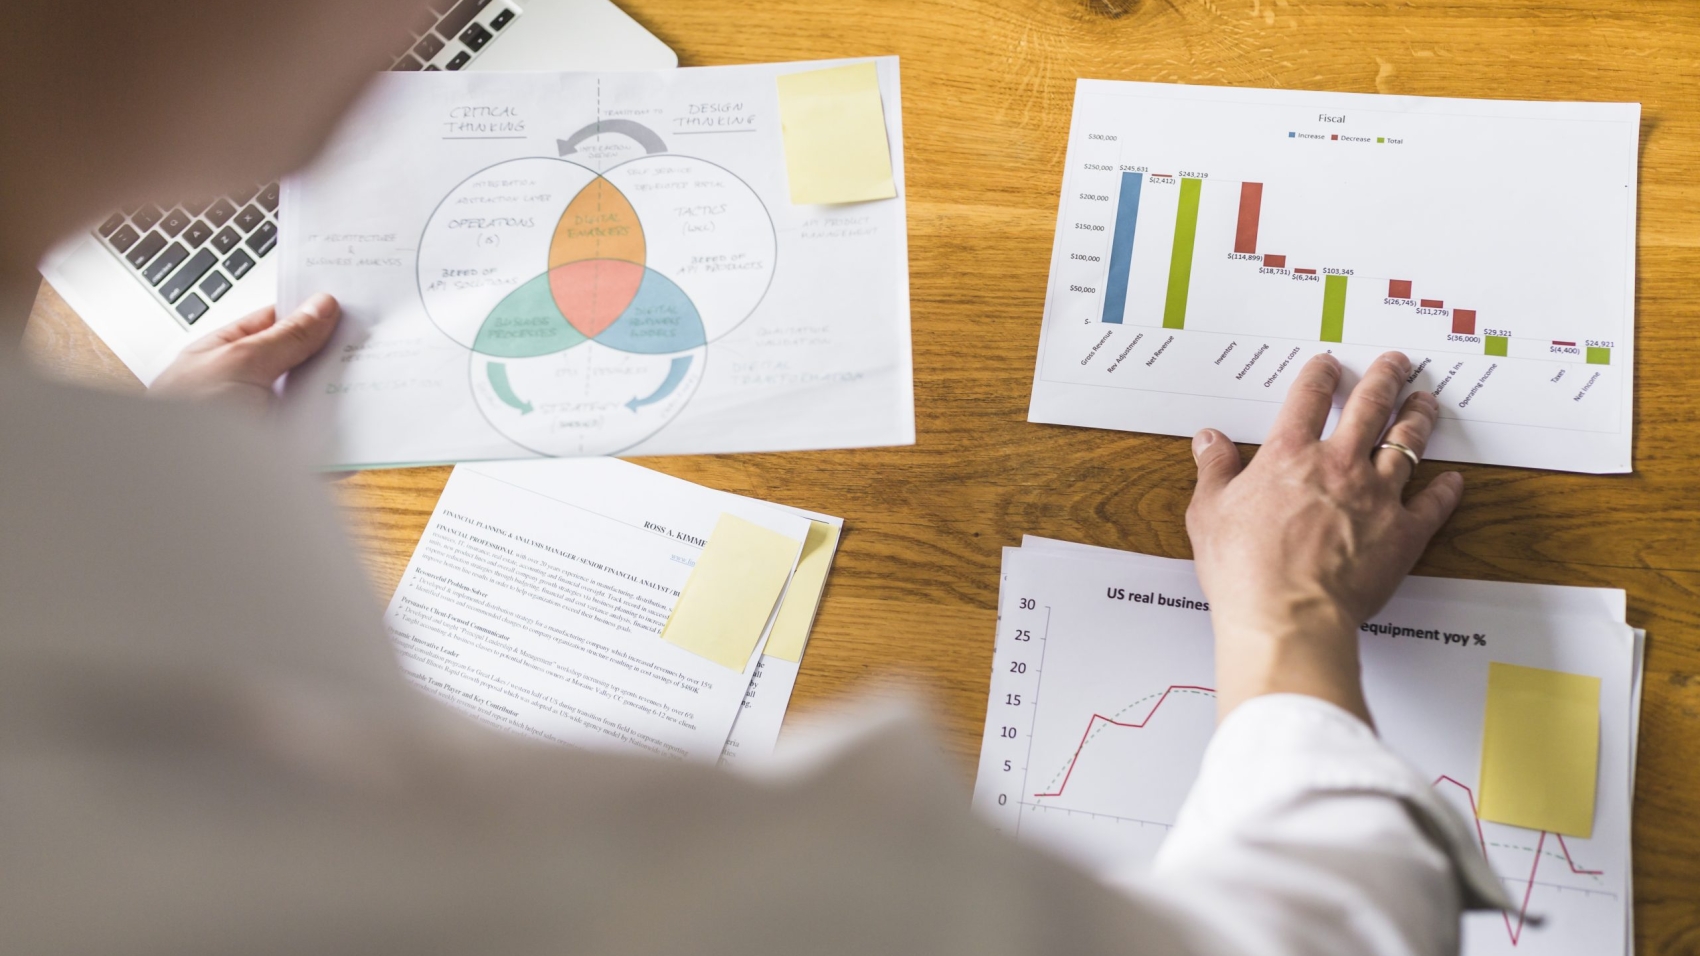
column 987, row 92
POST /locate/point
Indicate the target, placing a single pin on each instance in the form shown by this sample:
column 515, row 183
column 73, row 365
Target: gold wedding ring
column 1402, row 449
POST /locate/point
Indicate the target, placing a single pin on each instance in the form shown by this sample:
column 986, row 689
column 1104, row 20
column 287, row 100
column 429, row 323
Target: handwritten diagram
column 587, row 300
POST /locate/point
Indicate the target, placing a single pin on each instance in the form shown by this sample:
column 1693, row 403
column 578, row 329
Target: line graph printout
column 1101, row 706
column 554, row 265
column 1209, row 241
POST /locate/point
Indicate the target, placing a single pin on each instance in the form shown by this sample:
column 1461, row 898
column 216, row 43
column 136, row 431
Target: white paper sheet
column 559, row 265
column 535, row 600
column 1066, row 651
column 1210, row 240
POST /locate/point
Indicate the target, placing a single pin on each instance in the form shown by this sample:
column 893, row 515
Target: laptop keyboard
column 192, row 255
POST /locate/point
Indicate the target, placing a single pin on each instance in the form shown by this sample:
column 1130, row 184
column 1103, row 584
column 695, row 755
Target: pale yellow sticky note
column 729, row 597
column 802, row 598
column 836, row 149
column 1540, row 749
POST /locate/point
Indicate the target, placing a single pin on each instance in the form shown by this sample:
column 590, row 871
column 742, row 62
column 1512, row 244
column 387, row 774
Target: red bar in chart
column 1432, row 304
column 1305, row 272
column 1463, row 321
column 1398, row 288
column 1251, row 208
column 1568, row 345
column 1275, row 262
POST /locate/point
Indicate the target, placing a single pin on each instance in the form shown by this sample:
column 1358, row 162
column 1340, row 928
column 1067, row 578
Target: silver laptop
column 150, row 279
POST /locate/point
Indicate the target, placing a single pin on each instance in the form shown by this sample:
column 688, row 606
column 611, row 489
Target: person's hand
column 242, row 361
column 1305, row 543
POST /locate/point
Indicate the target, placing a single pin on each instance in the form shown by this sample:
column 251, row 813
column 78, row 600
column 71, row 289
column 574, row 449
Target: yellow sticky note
column 802, row 599
column 1540, row 749
column 729, row 597
column 836, row 149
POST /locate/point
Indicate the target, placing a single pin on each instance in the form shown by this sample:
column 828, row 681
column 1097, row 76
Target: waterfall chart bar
column 1598, row 355
column 1333, row 308
column 1432, row 304
column 1121, row 248
column 1180, row 263
column 1398, row 288
column 1463, row 321
column 1274, row 262
column 1496, row 345
column 1251, row 209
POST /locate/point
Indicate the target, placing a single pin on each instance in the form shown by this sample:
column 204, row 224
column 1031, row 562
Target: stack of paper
column 598, row 604
column 1519, row 702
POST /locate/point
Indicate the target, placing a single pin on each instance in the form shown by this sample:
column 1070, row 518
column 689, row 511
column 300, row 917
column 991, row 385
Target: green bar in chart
column 1495, row 345
column 1598, row 356
column 1333, row 308
column 1180, row 264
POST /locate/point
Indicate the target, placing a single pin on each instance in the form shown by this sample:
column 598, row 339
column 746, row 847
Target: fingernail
column 1200, row 442
column 1403, row 361
column 319, row 305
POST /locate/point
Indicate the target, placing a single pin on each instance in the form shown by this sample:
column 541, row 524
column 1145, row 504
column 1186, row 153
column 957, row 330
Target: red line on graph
column 1522, row 912
column 1116, row 723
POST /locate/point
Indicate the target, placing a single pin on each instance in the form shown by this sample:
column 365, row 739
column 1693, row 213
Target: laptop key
column 141, row 252
column 475, row 37
column 241, row 196
column 147, row 217
column 192, row 308
column 220, row 213
column 215, row 285
column 185, row 278
column 432, row 69
column 238, row 264
column 502, row 19
column 459, row 60
column 249, row 217
column 456, row 20
column 226, row 240
column 268, row 197
column 174, row 222
column 123, row 239
column 263, row 239
column 428, row 47
column 197, row 206
column 407, row 64
column 197, row 234
column 168, row 260
column 111, row 225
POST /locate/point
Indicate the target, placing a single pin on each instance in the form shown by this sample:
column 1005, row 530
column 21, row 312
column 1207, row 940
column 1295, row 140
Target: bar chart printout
column 1101, row 706
column 1211, row 241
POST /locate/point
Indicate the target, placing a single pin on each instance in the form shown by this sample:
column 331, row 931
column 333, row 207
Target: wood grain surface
column 987, row 88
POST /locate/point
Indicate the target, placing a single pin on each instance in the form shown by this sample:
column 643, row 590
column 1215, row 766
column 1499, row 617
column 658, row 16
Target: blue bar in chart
column 1121, row 248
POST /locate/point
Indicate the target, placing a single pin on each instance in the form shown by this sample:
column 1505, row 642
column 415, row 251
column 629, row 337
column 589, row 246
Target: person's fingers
column 256, row 321
column 280, row 346
column 1370, row 404
column 1308, row 401
column 1412, row 429
column 1435, row 503
column 1218, row 461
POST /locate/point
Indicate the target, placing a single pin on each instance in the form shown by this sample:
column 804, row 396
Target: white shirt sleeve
column 1305, row 834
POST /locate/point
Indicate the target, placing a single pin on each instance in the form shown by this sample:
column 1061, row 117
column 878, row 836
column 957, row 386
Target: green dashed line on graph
column 1546, row 853
column 1116, row 716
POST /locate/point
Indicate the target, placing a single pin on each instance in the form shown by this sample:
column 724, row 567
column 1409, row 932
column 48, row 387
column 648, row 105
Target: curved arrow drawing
column 675, row 375
column 643, row 135
column 505, row 391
